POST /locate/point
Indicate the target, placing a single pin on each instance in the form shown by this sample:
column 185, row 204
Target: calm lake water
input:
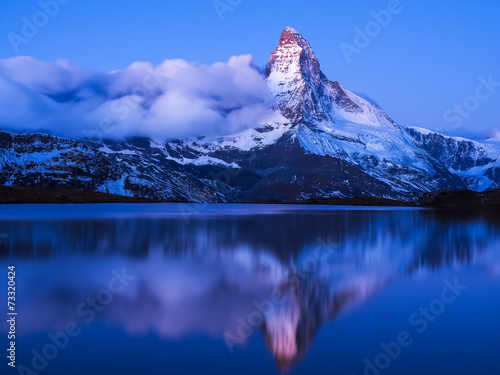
column 251, row 289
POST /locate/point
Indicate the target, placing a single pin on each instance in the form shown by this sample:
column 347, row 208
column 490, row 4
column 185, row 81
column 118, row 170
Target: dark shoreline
column 445, row 199
column 27, row 195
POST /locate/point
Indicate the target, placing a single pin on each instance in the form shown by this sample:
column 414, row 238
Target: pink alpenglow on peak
column 292, row 53
column 302, row 92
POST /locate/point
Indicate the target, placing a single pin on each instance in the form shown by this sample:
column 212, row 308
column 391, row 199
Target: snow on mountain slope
column 138, row 167
column 327, row 119
column 478, row 164
column 323, row 140
column 302, row 91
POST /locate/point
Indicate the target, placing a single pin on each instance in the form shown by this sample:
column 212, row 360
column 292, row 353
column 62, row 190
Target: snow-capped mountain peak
column 302, row 92
column 294, row 55
column 323, row 141
column 293, row 74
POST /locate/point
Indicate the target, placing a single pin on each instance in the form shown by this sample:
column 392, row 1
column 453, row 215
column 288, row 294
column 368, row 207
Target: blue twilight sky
column 430, row 56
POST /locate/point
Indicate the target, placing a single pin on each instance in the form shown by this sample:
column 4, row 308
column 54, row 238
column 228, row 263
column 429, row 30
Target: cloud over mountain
column 173, row 100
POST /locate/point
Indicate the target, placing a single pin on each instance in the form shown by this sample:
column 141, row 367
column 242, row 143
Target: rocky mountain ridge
column 324, row 141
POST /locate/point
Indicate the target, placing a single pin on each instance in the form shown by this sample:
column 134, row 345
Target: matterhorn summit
column 324, row 141
column 302, row 91
column 293, row 58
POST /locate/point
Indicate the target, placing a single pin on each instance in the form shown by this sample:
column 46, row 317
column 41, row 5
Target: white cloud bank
column 173, row 100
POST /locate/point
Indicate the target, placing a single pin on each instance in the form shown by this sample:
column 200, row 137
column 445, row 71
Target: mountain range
column 324, row 141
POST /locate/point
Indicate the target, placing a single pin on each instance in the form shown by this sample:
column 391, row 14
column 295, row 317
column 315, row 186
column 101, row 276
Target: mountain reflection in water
column 209, row 275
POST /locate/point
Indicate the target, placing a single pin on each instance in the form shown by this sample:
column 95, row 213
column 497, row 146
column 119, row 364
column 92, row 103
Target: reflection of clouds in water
column 204, row 277
column 173, row 297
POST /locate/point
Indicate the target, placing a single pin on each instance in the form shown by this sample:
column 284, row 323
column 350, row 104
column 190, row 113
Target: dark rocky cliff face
column 459, row 155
